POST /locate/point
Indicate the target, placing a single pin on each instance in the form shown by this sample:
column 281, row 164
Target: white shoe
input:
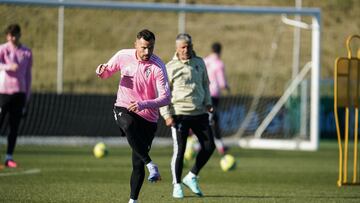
column 178, row 192
column 192, row 183
column 154, row 174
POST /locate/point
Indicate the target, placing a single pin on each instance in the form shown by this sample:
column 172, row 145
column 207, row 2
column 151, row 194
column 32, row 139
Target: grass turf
column 72, row 174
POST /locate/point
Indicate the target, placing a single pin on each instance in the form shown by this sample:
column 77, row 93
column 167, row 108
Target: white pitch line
column 26, row 172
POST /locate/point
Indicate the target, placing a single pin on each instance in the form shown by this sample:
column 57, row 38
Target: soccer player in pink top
column 15, row 83
column 143, row 88
column 216, row 71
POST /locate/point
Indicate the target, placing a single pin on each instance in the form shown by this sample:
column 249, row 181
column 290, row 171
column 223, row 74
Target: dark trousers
column 200, row 126
column 140, row 134
column 215, row 123
column 12, row 105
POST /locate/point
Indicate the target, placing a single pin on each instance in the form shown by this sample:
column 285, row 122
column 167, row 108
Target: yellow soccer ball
column 227, row 162
column 100, row 150
column 189, row 154
column 192, row 148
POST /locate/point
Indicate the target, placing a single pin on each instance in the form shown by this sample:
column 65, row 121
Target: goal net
column 272, row 65
column 274, row 96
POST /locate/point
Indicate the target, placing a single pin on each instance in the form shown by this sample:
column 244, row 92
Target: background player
column 216, row 71
column 15, row 85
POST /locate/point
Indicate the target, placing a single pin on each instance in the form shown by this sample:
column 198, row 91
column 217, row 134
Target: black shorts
column 127, row 120
column 12, row 103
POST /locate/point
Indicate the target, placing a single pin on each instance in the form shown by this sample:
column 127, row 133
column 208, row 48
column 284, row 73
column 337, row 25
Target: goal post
column 308, row 82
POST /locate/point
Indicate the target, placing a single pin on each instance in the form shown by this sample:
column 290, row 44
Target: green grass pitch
column 72, row 174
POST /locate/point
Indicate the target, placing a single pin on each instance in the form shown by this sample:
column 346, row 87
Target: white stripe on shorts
column 175, row 153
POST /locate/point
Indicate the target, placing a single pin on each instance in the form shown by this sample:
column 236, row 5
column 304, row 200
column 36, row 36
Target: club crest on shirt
column 147, row 72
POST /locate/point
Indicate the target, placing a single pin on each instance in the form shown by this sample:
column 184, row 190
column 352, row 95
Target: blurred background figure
column 15, row 84
column 218, row 83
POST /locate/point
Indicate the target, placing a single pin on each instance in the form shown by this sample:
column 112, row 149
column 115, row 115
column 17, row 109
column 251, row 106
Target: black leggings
column 215, row 125
column 140, row 134
column 12, row 105
column 201, row 128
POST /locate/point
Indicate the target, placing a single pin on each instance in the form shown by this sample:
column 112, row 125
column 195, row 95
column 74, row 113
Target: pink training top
column 15, row 81
column 144, row 82
column 216, row 72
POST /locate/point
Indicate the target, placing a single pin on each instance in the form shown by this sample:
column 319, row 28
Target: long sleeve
column 112, row 66
column 206, row 82
column 3, row 65
column 141, row 82
column 165, row 110
column 19, row 80
column 29, row 77
column 189, row 86
column 220, row 76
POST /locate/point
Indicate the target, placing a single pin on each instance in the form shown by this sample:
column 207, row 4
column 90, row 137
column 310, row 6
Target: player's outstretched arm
column 105, row 70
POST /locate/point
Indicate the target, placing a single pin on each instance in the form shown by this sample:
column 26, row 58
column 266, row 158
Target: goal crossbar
column 168, row 7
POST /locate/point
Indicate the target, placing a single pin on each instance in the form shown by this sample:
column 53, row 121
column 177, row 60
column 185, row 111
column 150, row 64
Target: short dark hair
column 13, row 29
column 146, row 35
column 216, row 47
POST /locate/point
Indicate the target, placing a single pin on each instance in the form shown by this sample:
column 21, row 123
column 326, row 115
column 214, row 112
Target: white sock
column 132, row 201
column 8, row 157
column 177, row 185
column 149, row 165
column 219, row 144
column 191, row 174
